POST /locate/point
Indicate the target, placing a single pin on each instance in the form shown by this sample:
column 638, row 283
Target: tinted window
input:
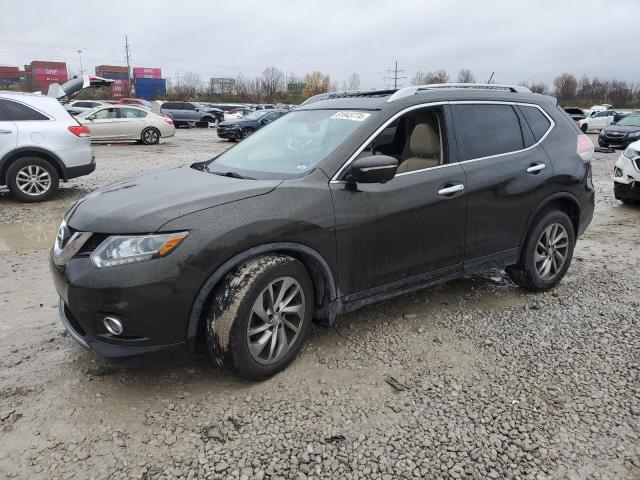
column 537, row 121
column 18, row 112
column 85, row 104
column 105, row 113
column 188, row 106
column 485, row 130
column 131, row 113
column 170, row 106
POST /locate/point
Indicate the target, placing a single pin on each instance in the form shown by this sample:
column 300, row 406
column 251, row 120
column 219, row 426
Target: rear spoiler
column 77, row 84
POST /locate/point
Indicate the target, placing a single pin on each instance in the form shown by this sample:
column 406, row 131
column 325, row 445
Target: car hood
column 621, row 128
column 143, row 203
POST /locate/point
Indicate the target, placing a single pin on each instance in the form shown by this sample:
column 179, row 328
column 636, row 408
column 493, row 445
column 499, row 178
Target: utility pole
column 80, row 55
column 395, row 76
column 128, row 60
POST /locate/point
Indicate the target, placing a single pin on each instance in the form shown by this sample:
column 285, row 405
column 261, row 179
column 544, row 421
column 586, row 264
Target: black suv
column 343, row 202
column 245, row 126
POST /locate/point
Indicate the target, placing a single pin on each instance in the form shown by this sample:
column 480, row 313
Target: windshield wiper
column 230, row 174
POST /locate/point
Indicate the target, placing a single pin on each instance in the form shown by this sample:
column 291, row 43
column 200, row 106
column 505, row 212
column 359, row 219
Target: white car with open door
column 597, row 120
column 127, row 123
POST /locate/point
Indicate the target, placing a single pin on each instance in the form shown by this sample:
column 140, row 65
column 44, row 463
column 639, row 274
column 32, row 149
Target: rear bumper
column 81, row 170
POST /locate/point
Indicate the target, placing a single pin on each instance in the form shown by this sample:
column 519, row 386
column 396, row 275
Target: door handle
column 458, row 187
column 536, row 168
column 4, row 132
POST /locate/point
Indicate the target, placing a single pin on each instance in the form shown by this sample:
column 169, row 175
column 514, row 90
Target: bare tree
column 272, row 83
column 465, row 76
column 436, row 76
column 315, row 83
column 565, row 87
column 353, row 82
column 538, row 87
column 620, row 93
column 190, row 85
column 418, row 78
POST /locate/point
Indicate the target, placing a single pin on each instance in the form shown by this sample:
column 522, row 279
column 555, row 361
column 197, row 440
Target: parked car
column 237, row 114
column 186, row 113
column 338, row 204
column 218, row 113
column 138, row 102
column 126, row 123
column 576, row 113
column 41, row 144
column 626, row 175
column 243, row 127
column 621, row 133
column 225, row 107
column 598, row 119
column 79, row 106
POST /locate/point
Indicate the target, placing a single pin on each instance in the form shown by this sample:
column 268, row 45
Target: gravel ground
column 473, row 379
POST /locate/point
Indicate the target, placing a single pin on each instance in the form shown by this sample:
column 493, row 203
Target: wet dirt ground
column 473, row 379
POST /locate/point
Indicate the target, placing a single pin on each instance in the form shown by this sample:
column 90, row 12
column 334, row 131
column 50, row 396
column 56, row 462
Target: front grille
column 90, row 245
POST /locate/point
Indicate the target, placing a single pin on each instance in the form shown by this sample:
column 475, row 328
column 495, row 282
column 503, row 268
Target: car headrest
column 424, row 141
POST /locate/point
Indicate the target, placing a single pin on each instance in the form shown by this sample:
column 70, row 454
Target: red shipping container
column 9, row 69
column 140, row 72
column 57, row 72
column 9, row 74
column 42, row 64
column 111, row 68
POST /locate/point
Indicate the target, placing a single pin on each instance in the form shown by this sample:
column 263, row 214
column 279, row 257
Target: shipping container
column 111, row 68
column 43, row 64
column 113, row 75
column 49, row 72
column 50, row 78
column 4, row 69
column 140, row 72
column 15, row 74
column 150, row 88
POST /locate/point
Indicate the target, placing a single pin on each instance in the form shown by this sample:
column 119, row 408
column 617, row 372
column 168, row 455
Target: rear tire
column 261, row 316
column 32, row 179
column 150, row 136
column 547, row 253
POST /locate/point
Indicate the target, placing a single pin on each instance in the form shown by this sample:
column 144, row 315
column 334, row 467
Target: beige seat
column 424, row 145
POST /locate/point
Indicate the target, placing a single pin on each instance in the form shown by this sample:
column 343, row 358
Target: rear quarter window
column 537, row 121
column 19, row 112
column 486, row 130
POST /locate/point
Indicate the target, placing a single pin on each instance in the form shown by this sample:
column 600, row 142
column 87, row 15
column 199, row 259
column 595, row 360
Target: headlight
column 630, row 153
column 634, row 134
column 122, row 250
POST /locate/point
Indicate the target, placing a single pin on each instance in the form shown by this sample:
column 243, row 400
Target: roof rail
column 408, row 91
column 354, row 93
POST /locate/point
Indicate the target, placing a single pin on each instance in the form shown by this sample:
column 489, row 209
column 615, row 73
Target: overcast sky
column 518, row 39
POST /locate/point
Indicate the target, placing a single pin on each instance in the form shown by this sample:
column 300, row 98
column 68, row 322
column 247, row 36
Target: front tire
column 260, row 316
column 584, row 127
column 245, row 132
column 150, row 136
column 603, row 144
column 32, row 179
column 547, row 253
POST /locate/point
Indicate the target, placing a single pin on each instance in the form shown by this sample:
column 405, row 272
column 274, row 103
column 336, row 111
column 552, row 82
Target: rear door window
column 537, row 121
column 131, row 113
column 486, row 130
column 18, row 112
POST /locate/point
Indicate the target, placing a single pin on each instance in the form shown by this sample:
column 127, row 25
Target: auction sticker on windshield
column 356, row 116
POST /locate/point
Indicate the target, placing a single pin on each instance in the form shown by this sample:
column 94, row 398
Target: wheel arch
column 38, row 152
column 322, row 276
column 563, row 201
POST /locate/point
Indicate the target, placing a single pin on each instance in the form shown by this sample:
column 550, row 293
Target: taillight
column 585, row 147
column 167, row 119
column 80, row 131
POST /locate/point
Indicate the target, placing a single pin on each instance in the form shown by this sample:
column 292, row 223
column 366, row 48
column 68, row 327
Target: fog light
column 113, row 325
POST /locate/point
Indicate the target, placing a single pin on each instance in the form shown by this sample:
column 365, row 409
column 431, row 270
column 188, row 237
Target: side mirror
column 373, row 169
column 91, row 118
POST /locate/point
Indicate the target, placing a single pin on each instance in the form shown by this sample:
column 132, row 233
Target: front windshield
column 631, row 121
column 290, row 146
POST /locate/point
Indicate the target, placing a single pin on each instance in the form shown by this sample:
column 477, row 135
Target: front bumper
column 230, row 134
column 616, row 140
column 153, row 301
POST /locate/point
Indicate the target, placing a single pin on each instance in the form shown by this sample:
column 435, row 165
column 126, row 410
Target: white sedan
column 126, row 123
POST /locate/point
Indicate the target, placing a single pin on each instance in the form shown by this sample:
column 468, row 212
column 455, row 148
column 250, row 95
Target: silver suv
column 40, row 145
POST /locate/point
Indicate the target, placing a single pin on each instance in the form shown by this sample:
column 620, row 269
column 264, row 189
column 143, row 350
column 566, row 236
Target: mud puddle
column 15, row 237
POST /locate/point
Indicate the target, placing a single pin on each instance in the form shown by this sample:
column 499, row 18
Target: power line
column 395, row 76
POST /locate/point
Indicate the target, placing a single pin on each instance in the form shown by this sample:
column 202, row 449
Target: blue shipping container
column 114, row 75
column 150, row 88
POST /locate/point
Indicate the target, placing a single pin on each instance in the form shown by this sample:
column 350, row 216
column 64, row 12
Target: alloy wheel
column 33, row 180
column 551, row 251
column 276, row 320
column 150, row 136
